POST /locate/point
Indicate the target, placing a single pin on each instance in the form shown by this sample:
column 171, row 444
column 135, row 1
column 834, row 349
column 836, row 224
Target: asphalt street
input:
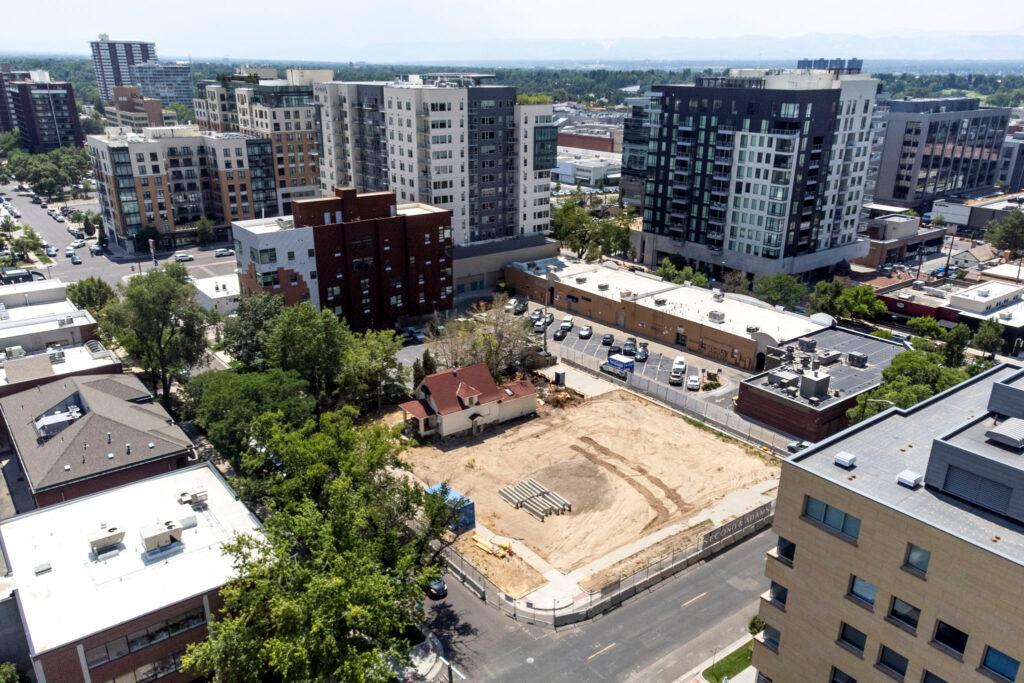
column 657, row 636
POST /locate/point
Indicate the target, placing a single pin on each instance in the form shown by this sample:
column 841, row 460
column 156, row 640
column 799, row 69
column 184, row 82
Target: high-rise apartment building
column 282, row 111
column 363, row 257
column 113, row 59
column 44, row 112
column 168, row 178
column 760, row 171
column 8, row 76
column 450, row 140
column 901, row 546
column 635, row 135
column 1011, row 164
column 171, row 83
column 935, row 148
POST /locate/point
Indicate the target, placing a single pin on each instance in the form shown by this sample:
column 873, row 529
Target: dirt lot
column 510, row 574
column 627, row 466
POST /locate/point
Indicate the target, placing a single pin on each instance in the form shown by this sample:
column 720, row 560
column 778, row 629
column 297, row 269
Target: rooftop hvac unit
column 14, row 351
column 194, row 497
column 1010, row 433
column 753, row 329
column 603, row 286
column 56, row 356
column 905, row 296
column 659, row 301
column 857, row 359
column 161, row 535
column 717, row 295
column 807, row 345
column 814, row 401
column 792, row 391
column 983, row 293
column 1006, row 315
column 580, row 280
column 717, row 317
column 828, row 356
column 845, row 459
column 105, row 538
column 918, row 284
column 909, row 478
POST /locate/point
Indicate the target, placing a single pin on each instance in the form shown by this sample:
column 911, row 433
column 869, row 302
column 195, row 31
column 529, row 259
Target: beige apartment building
column 130, row 109
column 901, row 546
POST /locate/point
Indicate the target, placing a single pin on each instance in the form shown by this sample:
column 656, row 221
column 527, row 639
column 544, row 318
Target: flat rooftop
column 82, row 594
column 65, row 361
column 988, row 291
column 219, row 286
column 1005, row 271
column 845, row 380
column 897, row 440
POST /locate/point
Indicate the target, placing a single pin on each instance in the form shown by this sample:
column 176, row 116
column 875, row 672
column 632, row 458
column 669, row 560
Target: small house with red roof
column 466, row 399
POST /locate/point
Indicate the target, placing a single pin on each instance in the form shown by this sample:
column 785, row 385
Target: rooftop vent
column 717, row 317
column 659, row 301
column 603, row 286
column 918, row 284
column 105, row 538
column 845, row 459
column 1006, row 315
column 753, row 329
column 857, row 359
column 44, row 568
column 580, row 280
column 909, row 478
column 194, row 497
column 1010, row 433
column 807, row 345
column 983, row 293
column 717, row 295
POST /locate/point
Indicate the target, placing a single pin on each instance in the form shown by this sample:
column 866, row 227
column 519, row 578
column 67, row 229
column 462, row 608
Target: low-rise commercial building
column 115, row 585
column 79, row 435
column 362, row 256
column 900, row 540
column 219, row 293
column 972, row 215
column 587, row 168
column 810, row 382
column 598, row 137
column 729, row 328
column 898, row 238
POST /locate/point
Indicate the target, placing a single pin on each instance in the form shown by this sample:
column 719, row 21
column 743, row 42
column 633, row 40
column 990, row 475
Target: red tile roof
column 450, row 389
column 519, row 388
column 417, row 408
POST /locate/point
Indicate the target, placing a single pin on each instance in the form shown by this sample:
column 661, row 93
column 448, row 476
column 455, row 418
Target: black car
column 612, row 350
column 629, row 346
column 548, row 319
column 641, row 355
column 560, row 333
column 607, row 340
column 536, row 314
column 520, row 308
column 437, row 589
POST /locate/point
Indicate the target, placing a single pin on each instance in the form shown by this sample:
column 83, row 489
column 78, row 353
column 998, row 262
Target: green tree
column 825, row 297
column 957, row 340
column 860, row 303
column 27, row 242
column 9, row 673
column 912, row 377
column 182, row 112
column 91, row 293
column 988, row 338
column 939, row 221
column 226, row 404
column 371, row 374
column 312, row 344
column 882, row 333
column 927, row 327
column 417, row 372
column 781, row 289
column 736, row 281
column 247, row 333
column 204, row 230
column 9, row 141
column 157, row 321
column 88, row 228
column 429, row 363
column 330, row 593
column 1007, row 233
column 7, row 225
column 669, row 272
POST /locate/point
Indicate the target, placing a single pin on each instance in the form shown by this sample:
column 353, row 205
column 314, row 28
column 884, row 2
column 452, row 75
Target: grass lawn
column 730, row 665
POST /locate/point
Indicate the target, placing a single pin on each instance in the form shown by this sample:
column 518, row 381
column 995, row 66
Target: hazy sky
column 346, row 30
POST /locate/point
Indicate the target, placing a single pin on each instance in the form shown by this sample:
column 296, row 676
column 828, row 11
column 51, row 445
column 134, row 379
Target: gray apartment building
column 938, row 147
column 112, row 60
column 171, row 83
column 1010, row 176
column 760, row 171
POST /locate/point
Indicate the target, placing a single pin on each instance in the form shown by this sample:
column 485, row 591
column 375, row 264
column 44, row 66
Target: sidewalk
column 748, row 675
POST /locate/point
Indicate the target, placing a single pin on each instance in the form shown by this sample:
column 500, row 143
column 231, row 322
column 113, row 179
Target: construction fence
column 590, row 605
column 721, row 418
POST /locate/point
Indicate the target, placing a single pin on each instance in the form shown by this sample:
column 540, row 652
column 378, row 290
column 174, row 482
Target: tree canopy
column 912, row 377
column 668, row 271
column 587, row 236
column 988, row 337
column 91, row 293
column 310, row 343
column 51, row 172
column 780, row 289
column 247, row 333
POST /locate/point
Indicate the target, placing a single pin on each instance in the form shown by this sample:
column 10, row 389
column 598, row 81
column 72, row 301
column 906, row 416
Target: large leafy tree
column 860, row 303
column 247, row 333
column 157, row 321
column 781, row 289
column 1008, row 233
column 912, row 377
column 227, row 403
column 668, row 271
column 587, row 236
column 825, row 297
column 91, row 293
column 927, row 327
column 988, row 337
column 312, row 344
column 956, row 340
column 371, row 374
column 493, row 336
column 330, row 592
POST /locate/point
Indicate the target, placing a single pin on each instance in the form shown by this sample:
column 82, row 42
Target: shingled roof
column 449, row 388
column 118, row 405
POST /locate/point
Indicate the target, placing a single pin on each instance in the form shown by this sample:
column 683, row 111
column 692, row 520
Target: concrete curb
column 694, row 675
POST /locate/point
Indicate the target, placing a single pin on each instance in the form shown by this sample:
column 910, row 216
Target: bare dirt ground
column 511, row 575
column 627, row 466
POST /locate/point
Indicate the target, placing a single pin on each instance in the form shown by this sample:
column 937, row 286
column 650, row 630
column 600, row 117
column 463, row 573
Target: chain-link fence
column 721, row 418
column 586, row 605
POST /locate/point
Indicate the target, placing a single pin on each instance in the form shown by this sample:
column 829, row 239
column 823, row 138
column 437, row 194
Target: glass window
column 950, row 636
column 917, row 558
column 905, row 613
column 771, row 637
column 852, row 637
column 841, row 677
column 862, row 590
column 778, row 594
column 929, row 677
column 96, row 656
column 786, row 549
column 117, row 648
column 814, row 509
column 1000, row 664
column 834, row 518
column 893, row 661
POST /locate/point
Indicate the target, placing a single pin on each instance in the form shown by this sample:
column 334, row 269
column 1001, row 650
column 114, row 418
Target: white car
column 693, row 382
column 510, row 305
column 679, row 364
column 78, row 244
column 567, row 322
column 224, row 252
column 182, row 256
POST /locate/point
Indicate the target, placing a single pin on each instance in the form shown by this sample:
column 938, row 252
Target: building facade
column 45, row 113
column 168, row 178
column 636, row 133
column 900, row 540
column 171, row 83
column 450, row 140
column 364, row 257
column 132, row 110
column 1011, row 164
column 935, row 148
column 8, row 76
column 759, row 171
column 112, row 60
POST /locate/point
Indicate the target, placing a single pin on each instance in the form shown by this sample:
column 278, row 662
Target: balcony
column 714, row 234
column 718, row 206
column 684, row 126
column 723, row 177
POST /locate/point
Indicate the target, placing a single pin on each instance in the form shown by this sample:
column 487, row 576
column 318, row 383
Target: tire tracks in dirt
column 681, row 505
column 661, row 512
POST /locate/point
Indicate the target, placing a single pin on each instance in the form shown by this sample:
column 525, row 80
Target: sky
column 371, row 30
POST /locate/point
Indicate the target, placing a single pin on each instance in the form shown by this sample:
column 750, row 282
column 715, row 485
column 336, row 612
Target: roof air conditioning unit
column 857, row 359
column 909, row 478
column 716, row 316
column 807, row 345
column 580, row 280
column 659, row 301
column 1006, row 315
column 603, row 286
column 193, row 497
column 105, row 538
column 753, row 329
column 845, row 459
column 161, row 535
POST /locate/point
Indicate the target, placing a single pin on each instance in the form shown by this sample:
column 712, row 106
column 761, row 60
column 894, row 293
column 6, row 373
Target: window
column 771, row 637
column 852, row 637
column 904, row 613
column 833, row 518
column 917, row 559
column 841, row 677
column 1000, row 664
column 950, row 637
column 785, row 549
column 929, row 677
column 761, row 678
column 862, row 590
column 778, row 594
column 892, row 662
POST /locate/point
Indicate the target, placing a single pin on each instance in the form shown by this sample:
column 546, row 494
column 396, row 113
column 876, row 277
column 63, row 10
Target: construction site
column 590, row 488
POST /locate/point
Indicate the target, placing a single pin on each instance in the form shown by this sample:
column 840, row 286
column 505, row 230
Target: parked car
column 75, row 260
column 607, row 339
column 182, row 256
column 520, row 307
column 548, row 319
column 539, row 327
column 510, row 305
column 561, row 333
column 437, row 589
column 614, row 349
column 676, row 376
column 693, row 382
column 586, row 332
column 797, row 446
column 59, row 218
column 51, row 251
column 536, row 314
column 78, row 244
column 629, row 346
column 224, row 252
column 69, row 252
column 567, row 322
column 679, row 364
column 642, row 354
column 96, row 249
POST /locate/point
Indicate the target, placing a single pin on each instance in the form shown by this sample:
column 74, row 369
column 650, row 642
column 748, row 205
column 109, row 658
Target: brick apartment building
column 361, row 256
column 131, row 109
column 45, row 113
